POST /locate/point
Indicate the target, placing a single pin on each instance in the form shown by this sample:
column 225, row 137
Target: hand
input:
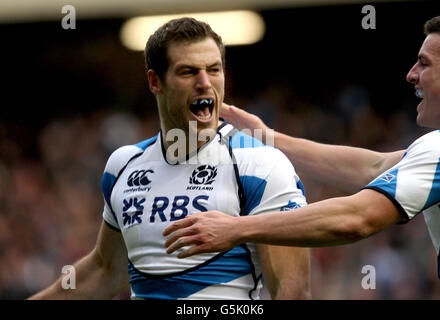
column 210, row 231
column 243, row 120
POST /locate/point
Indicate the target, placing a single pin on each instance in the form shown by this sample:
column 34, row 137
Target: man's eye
column 214, row 70
column 423, row 62
column 186, row 72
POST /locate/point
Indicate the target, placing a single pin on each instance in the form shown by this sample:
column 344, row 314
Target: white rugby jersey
column 413, row 184
column 233, row 173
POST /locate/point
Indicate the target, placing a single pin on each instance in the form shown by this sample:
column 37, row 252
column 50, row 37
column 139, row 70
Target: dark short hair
column 177, row 30
column 432, row 25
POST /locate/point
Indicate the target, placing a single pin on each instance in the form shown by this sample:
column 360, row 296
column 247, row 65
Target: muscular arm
column 286, row 271
column 330, row 222
column 102, row 274
column 347, row 168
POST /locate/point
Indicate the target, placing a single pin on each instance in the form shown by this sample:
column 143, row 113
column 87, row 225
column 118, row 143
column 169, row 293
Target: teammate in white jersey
column 211, row 166
column 410, row 184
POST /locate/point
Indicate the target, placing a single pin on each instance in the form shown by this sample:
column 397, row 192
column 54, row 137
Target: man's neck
column 178, row 143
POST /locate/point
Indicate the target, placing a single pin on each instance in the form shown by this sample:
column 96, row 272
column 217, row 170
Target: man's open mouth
column 202, row 108
column 420, row 94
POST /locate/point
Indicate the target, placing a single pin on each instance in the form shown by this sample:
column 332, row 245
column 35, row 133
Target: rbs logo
column 162, row 208
column 179, row 208
column 135, row 217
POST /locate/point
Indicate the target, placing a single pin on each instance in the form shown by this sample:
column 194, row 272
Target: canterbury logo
column 139, row 178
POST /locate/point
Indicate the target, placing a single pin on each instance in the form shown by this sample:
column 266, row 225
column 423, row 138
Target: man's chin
column 427, row 123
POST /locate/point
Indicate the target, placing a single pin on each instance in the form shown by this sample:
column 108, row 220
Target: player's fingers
column 180, row 243
column 183, row 223
column 235, row 116
column 225, row 111
column 177, row 235
column 225, row 107
column 190, row 252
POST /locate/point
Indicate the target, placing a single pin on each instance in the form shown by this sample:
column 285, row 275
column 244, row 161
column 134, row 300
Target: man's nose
column 412, row 76
column 203, row 81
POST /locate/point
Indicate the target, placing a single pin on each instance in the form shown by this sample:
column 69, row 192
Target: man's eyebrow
column 193, row 67
column 185, row 65
column 215, row 64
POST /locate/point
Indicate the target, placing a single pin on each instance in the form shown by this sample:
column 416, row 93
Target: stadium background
column 70, row 97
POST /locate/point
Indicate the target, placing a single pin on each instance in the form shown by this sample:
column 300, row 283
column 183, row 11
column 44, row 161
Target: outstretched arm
column 330, row 222
column 102, row 274
column 347, row 168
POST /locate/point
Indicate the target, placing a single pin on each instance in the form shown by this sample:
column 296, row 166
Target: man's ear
column 154, row 82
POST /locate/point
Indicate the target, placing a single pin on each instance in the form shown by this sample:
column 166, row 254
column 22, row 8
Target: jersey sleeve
column 115, row 164
column 413, row 185
column 269, row 180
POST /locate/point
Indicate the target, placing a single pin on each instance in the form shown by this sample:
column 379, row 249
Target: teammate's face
column 425, row 75
column 193, row 86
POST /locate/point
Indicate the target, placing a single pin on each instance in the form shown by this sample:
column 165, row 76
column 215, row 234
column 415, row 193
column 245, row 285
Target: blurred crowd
column 51, row 202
